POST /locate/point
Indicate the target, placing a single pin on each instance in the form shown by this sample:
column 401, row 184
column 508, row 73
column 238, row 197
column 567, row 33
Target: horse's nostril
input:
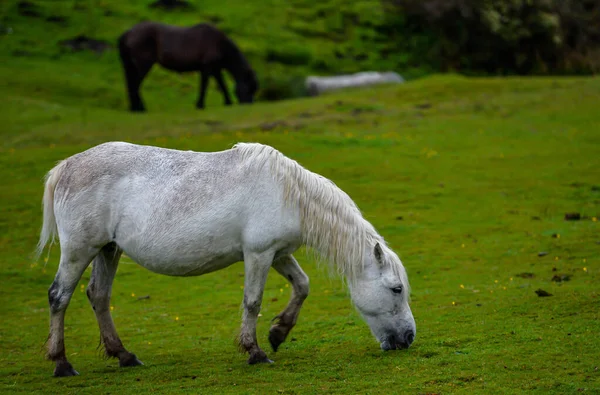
column 392, row 341
column 409, row 337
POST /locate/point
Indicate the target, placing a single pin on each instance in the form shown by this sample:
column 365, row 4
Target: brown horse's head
column 246, row 86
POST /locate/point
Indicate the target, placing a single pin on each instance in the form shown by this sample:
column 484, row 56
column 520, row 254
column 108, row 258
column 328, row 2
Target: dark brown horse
column 201, row 48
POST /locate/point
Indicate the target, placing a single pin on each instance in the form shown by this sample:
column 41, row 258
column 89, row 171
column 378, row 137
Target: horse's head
column 246, row 86
column 381, row 293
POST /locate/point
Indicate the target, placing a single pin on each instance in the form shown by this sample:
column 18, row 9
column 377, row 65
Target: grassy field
column 469, row 181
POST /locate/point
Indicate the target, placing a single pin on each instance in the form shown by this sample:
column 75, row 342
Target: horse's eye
column 397, row 290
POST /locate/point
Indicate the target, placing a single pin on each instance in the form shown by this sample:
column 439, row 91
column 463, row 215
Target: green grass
column 467, row 179
column 466, row 163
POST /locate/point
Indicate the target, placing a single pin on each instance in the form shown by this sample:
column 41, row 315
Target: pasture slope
column 469, row 181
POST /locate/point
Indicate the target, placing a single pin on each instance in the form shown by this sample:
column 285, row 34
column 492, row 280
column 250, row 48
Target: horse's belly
column 175, row 244
column 184, row 266
column 179, row 65
column 182, row 252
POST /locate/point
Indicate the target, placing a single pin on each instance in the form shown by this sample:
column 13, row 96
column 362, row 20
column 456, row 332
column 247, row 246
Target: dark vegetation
column 84, row 43
column 171, row 4
column 505, row 37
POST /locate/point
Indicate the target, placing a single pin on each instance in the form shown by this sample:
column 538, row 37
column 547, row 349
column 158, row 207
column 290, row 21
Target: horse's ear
column 378, row 254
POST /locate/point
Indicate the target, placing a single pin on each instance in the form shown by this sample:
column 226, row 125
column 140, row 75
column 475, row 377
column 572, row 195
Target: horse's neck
column 236, row 64
column 237, row 70
column 333, row 226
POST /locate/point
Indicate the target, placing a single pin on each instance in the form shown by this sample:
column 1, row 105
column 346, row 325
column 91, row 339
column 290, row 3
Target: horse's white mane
column 332, row 224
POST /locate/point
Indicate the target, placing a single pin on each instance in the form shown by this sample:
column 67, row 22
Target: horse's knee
column 252, row 305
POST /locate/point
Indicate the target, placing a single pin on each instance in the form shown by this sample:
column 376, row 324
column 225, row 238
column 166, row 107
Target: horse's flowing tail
column 49, row 229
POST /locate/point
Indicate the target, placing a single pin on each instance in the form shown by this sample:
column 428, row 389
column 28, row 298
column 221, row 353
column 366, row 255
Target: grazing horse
column 185, row 213
column 201, row 48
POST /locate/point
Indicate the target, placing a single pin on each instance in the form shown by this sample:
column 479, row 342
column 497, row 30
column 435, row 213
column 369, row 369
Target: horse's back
column 112, row 161
column 191, row 48
column 126, row 177
column 177, row 48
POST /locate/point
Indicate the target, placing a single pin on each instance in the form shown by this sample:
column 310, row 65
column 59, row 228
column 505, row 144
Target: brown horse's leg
column 133, row 90
column 135, row 69
column 204, row 75
column 219, row 77
column 98, row 292
column 288, row 267
column 134, row 77
column 71, row 267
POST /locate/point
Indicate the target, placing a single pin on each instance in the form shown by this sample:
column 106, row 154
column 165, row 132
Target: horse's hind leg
column 288, row 267
column 72, row 265
column 256, row 267
column 98, row 292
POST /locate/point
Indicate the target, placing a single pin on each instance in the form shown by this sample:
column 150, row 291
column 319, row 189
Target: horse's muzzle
column 398, row 342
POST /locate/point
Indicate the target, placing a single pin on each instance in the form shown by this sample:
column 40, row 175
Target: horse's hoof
column 254, row 362
column 64, row 369
column 276, row 337
column 258, row 358
column 129, row 360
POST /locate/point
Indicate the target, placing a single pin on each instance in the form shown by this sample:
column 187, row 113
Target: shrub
column 289, row 55
column 580, row 29
column 505, row 36
column 280, row 88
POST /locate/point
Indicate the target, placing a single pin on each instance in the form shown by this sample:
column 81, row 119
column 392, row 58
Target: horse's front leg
column 134, row 76
column 288, row 267
column 256, row 267
column 203, row 85
column 219, row 77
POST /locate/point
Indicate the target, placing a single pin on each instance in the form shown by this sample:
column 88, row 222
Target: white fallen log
column 316, row 85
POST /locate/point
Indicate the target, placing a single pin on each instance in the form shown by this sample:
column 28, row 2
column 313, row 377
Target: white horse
column 185, row 213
